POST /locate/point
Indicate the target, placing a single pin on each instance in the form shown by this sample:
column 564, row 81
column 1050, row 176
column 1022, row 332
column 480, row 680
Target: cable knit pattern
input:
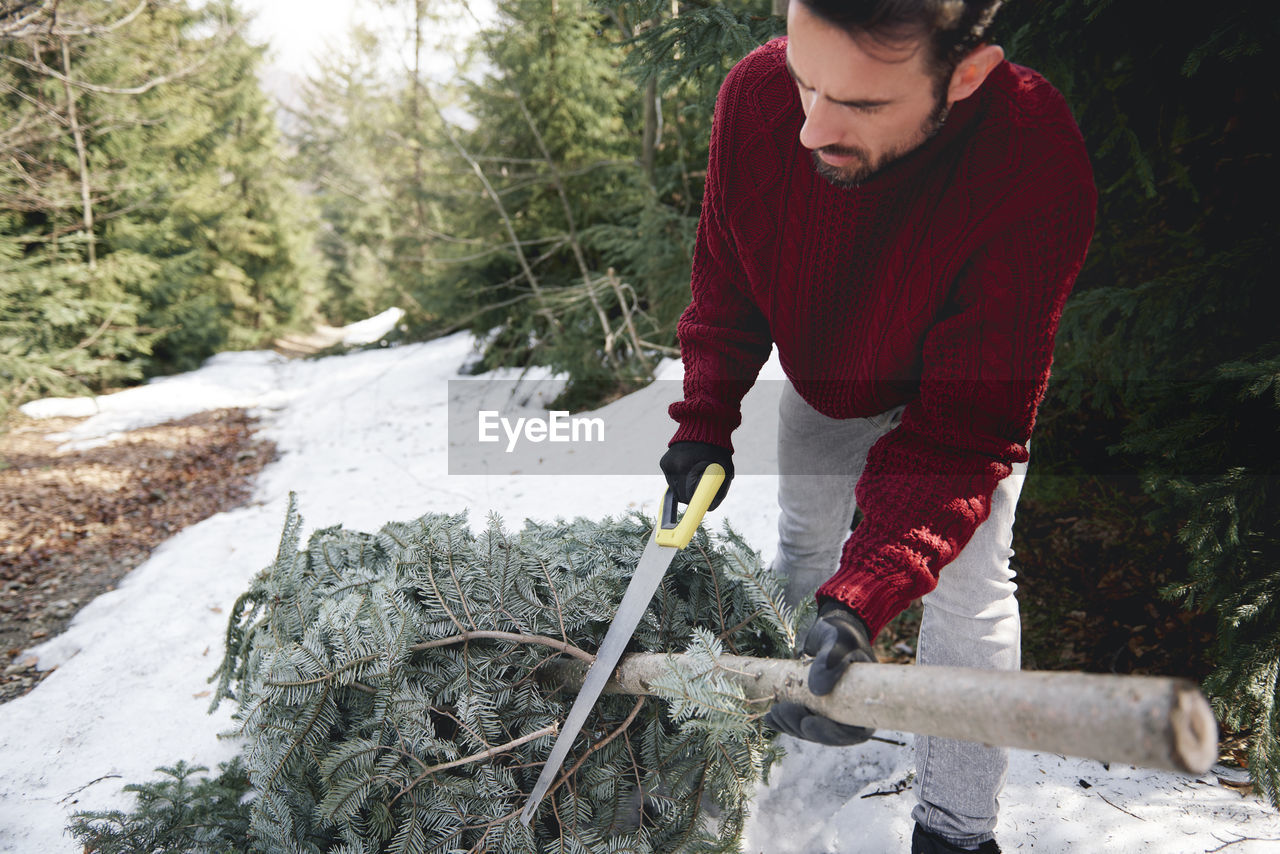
column 938, row 284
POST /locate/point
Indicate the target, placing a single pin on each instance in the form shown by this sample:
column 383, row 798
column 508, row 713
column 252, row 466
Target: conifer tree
column 420, row 192
column 594, row 180
column 344, row 151
column 676, row 54
column 549, row 144
column 396, row 205
column 551, row 206
column 139, row 147
column 66, row 328
column 215, row 208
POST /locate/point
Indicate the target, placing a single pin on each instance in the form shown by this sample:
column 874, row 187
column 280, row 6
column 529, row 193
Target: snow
column 366, row 438
column 60, row 407
column 368, row 331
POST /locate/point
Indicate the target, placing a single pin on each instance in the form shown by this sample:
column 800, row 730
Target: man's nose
column 820, row 128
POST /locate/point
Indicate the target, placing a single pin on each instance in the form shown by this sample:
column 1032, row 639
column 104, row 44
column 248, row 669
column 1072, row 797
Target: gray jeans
column 970, row 620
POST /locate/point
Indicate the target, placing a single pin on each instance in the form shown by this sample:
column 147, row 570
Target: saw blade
column 644, row 582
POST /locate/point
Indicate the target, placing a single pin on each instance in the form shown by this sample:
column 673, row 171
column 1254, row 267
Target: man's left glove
column 838, row 638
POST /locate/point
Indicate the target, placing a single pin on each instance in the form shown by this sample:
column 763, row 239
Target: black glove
column 836, row 640
column 684, row 463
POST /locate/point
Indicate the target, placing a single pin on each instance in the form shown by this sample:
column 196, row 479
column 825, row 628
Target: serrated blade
column 644, row 582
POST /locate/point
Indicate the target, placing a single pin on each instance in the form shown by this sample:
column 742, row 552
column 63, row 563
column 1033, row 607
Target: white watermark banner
column 559, row 427
column 499, row 426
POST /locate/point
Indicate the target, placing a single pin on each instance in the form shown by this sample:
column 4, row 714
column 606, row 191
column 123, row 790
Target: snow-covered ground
column 365, row 439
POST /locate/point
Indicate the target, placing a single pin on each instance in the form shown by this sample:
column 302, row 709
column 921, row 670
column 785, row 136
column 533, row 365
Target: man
column 902, row 213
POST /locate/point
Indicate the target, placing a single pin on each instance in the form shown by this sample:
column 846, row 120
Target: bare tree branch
column 573, row 230
column 23, row 15
column 26, row 26
column 127, row 19
column 627, row 311
column 36, row 102
column 534, row 284
column 82, row 157
column 39, row 66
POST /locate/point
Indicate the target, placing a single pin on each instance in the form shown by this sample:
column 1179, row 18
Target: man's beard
column 857, row 174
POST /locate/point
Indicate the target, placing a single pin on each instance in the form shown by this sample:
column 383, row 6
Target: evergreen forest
column 157, row 206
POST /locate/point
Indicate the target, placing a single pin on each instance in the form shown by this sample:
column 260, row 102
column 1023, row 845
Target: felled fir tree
column 397, row 691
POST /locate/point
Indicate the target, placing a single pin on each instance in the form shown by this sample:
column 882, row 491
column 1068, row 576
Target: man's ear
column 972, row 70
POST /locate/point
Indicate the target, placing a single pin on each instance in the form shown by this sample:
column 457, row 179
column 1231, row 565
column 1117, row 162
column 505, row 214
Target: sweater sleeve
column 927, row 484
column 724, row 338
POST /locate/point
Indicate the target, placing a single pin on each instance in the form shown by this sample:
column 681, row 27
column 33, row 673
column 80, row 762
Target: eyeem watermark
column 559, row 427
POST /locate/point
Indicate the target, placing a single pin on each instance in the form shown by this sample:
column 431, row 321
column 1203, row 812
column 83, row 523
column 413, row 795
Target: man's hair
column 950, row 28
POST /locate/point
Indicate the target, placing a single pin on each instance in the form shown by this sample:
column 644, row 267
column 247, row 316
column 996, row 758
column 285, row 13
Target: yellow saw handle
column 677, row 534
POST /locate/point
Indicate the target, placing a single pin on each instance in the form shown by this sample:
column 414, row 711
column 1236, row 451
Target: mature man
column 902, row 213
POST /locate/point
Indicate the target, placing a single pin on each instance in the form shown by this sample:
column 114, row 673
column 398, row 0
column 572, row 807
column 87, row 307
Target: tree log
column 1150, row 721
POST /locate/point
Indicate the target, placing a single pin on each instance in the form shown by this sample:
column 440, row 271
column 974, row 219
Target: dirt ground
column 72, row 524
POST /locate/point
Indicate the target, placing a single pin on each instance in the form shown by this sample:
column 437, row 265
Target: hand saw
column 669, row 537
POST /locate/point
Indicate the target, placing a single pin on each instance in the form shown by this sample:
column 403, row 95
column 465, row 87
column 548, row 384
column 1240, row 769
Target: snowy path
column 364, row 439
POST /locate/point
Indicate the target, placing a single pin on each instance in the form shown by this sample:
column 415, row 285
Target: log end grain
column 1195, row 730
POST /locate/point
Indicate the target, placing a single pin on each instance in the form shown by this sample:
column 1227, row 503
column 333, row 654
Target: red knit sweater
column 938, row 284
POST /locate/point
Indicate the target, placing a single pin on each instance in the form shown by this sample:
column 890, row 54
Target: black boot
column 924, row 842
